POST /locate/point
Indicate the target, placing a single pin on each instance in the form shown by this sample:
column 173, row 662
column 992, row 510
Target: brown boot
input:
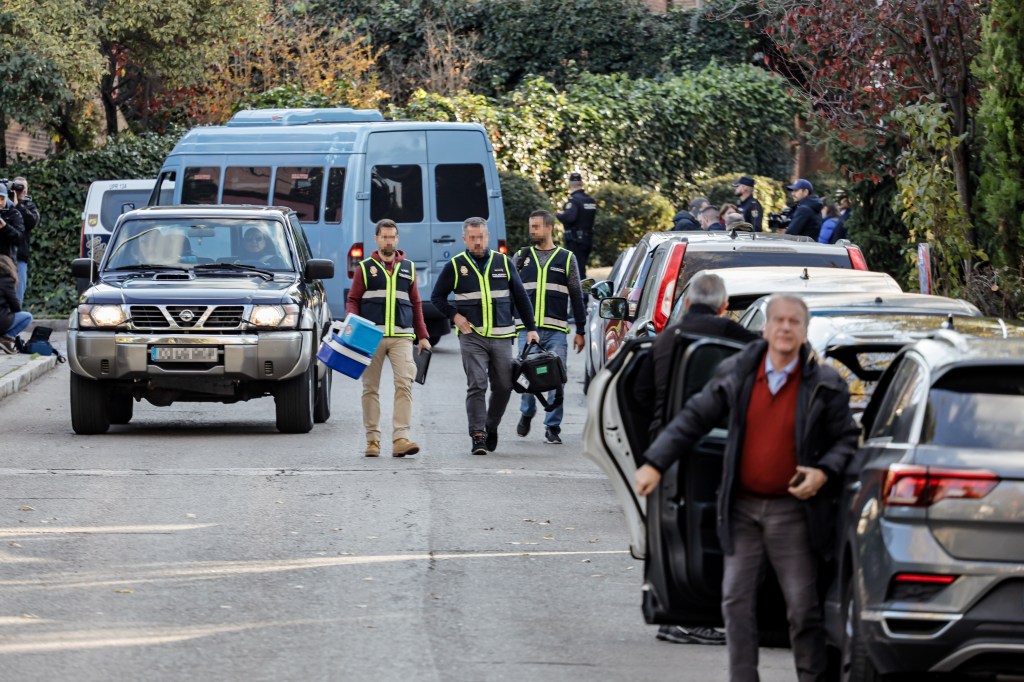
column 373, row 448
column 402, row 447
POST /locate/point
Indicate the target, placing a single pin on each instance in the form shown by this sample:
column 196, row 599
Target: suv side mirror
column 84, row 268
column 318, row 268
column 601, row 290
column 612, row 308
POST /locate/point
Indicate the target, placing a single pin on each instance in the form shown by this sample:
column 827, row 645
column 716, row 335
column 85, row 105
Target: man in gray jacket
column 791, row 435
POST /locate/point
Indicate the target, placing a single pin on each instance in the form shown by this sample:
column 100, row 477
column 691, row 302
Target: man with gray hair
column 791, row 437
column 705, row 300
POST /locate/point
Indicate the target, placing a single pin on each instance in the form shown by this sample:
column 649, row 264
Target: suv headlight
column 101, row 315
column 275, row 316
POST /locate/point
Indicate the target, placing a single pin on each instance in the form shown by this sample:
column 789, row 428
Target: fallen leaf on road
column 528, row 520
column 549, row 537
column 513, row 543
column 335, row 529
column 191, row 516
column 586, row 561
column 592, row 541
column 367, row 579
column 544, row 523
column 570, row 528
column 126, row 590
column 29, row 615
column 14, row 545
column 25, row 507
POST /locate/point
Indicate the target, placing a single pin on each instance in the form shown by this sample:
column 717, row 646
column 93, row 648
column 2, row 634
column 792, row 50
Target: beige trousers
column 399, row 352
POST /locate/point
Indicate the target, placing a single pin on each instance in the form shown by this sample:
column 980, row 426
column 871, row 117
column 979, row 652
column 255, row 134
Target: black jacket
column 684, row 221
column 652, row 379
column 826, row 435
column 578, row 216
column 30, row 216
column 806, row 217
column 8, row 294
column 13, row 233
column 752, row 212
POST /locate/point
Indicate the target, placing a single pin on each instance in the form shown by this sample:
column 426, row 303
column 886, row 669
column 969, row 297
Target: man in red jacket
column 791, row 436
column 384, row 292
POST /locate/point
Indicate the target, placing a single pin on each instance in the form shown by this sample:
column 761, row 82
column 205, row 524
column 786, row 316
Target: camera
column 778, row 222
column 17, row 187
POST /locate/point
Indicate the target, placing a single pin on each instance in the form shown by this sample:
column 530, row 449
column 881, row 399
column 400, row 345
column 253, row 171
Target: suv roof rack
column 297, row 117
column 949, row 336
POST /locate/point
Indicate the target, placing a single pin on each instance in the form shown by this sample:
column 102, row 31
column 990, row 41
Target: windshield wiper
column 265, row 274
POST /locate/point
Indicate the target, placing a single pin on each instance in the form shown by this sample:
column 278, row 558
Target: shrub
column 521, row 196
column 625, row 213
column 59, row 185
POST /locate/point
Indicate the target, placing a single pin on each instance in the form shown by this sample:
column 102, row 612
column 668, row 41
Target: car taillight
column 917, row 586
column 355, row 254
column 857, row 258
column 667, row 291
column 501, row 246
column 909, row 485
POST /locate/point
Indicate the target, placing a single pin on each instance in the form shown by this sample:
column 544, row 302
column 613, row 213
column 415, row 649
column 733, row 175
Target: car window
column 301, row 244
column 697, row 260
column 895, row 416
column 633, row 270
column 163, row 193
column 246, row 185
column 754, row 320
column 299, row 188
column 461, row 191
column 201, row 185
column 335, row 196
column 118, row 201
column 396, row 192
column 976, row 407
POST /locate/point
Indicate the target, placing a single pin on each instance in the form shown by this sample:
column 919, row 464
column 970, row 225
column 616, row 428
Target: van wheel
column 322, row 408
column 294, row 401
column 854, row 663
column 122, row 406
column 90, row 408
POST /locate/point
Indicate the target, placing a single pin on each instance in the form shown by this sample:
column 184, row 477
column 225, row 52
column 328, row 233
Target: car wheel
column 90, row 408
column 122, row 407
column 295, row 400
column 854, row 663
column 322, row 409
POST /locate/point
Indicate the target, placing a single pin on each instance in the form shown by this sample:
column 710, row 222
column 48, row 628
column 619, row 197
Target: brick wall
column 31, row 143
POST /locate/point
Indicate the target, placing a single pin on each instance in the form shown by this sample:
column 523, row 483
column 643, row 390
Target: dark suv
column 201, row 303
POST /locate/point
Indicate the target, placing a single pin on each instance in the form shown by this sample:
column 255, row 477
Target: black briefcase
column 538, row 371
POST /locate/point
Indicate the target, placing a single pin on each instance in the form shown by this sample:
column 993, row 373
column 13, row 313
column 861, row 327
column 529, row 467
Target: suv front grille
column 186, row 315
column 225, row 316
column 148, row 316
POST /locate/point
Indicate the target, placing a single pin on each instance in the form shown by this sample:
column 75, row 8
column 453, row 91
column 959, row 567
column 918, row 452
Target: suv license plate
column 183, row 354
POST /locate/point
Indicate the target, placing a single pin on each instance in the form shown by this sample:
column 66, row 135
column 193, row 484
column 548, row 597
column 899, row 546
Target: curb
column 26, row 374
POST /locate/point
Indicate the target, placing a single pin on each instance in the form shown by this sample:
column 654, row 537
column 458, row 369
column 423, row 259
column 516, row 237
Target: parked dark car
column 201, row 304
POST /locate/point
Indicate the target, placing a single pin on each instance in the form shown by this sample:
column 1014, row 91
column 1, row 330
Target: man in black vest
column 578, row 217
column 384, row 292
column 487, row 291
column 551, row 277
column 748, row 205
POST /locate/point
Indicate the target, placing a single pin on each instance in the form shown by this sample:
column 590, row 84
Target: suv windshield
column 187, row 242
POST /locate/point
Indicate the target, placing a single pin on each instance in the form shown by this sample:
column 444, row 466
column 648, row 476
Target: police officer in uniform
column 385, row 293
column 488, row 294
column 578, row 217
column 551, row 277
column 748, row 205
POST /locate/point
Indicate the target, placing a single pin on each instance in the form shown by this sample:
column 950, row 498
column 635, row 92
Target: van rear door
column 394, row 186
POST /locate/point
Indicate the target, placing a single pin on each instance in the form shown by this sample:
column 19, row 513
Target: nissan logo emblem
column 186, row 315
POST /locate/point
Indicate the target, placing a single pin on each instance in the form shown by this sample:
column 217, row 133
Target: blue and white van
column 342, row 170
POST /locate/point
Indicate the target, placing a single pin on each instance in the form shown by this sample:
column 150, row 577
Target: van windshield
column 187, row 242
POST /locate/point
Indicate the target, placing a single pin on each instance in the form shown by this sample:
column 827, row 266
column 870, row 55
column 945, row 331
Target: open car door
column 683, row 567
column 615, row 434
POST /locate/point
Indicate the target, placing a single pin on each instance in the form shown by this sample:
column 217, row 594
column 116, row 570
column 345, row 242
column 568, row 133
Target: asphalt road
column 197, row 543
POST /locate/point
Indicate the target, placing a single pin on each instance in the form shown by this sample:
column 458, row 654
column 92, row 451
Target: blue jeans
column 21, row 322
column 556, row 342
column 22, row 280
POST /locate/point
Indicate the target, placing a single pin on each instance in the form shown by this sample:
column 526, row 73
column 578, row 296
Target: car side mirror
column 84, row 268
column 613, row 308
column 586, row 285
column 318, row 268
column 601, row 290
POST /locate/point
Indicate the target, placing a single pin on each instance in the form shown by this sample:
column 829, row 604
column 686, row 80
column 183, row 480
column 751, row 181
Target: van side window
column 200, row 185
column 163, row 193
column 335, row 195
column 246, row 185
column 461, row 192
column 299, row 188
column 396, row 192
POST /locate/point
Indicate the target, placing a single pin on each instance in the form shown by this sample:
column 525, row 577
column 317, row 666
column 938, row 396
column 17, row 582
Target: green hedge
column 625, row 213
column 59, row 186
column 521, row 196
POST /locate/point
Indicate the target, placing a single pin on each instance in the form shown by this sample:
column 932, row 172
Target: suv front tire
column 295, row 402
column 90, row 406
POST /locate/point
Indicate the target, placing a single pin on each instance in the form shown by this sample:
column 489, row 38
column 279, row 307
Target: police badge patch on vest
column 568, row 205
column 464, row 270
column 373, row 270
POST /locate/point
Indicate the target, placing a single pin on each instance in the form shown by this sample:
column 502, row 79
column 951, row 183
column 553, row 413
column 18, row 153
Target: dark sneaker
column 523, row 427
column 551, row 437
column 479, row 443
column 7, row 345
column 681, row 635
column 492, row 440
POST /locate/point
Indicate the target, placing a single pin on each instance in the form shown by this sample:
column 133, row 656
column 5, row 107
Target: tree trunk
column 108, row 85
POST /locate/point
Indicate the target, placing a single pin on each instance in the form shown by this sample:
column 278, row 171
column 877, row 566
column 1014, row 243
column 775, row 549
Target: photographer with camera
column 12, row 224
column 806, row 210
column 30, row 217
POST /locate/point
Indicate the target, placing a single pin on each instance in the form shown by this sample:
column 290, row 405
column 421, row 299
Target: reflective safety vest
column 485, row 297
column 551, row 307
column 386, row 299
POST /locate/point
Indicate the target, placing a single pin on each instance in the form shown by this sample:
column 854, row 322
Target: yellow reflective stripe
column 362, row 266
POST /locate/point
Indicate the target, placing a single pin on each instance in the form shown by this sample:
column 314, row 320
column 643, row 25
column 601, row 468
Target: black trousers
column 581, row 249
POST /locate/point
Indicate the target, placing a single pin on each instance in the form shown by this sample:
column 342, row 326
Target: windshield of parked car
column 187, row 242
column 977, row 407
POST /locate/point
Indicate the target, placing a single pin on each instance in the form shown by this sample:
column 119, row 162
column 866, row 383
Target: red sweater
column 355, row 296
column 768, row 458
